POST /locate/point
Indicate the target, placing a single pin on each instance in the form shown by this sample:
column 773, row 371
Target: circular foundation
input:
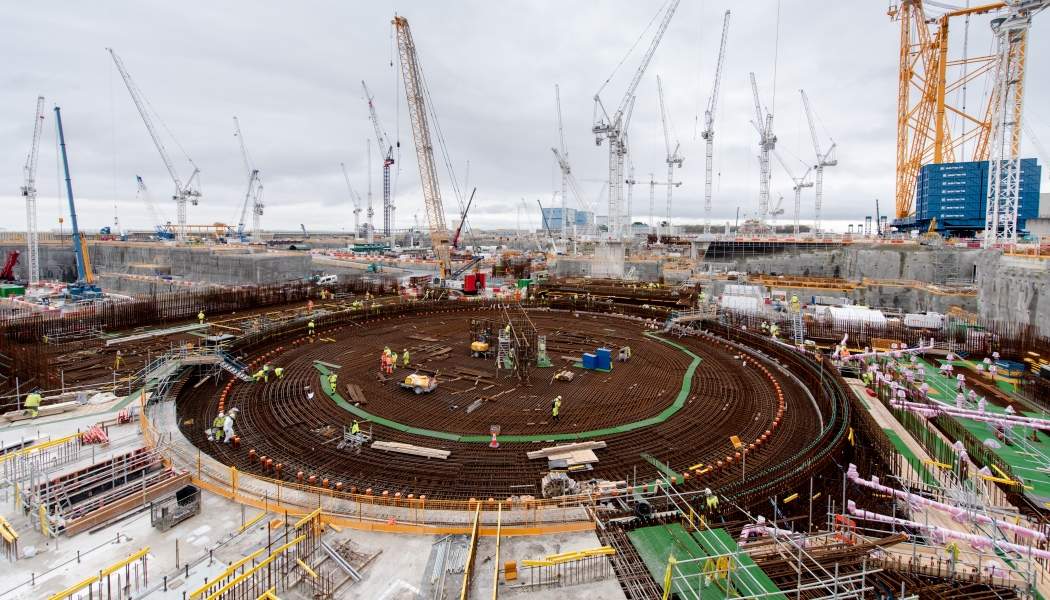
column 667, row 413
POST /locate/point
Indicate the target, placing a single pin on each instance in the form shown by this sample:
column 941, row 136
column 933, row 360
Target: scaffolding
column 518, row 346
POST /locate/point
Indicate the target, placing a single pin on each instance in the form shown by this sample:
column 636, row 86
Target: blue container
column 604, row 358
column 590, row 361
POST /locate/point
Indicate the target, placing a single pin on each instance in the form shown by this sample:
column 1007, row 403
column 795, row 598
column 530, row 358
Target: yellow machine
column 419, row 383
column 479, row 349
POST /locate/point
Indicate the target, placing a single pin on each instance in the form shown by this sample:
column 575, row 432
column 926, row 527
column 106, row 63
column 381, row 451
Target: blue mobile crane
column 84, row 287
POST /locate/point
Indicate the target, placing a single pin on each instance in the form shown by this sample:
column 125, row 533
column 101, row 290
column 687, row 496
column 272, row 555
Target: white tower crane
column 654, row 225
column 563, row 164
column 388, row 161
column 184, row 193
column 798, row 184
column 614, row 128
column 673, row 159
column 709, row 126
column 1007, row 102
column 353, row 198
column 414, row 92
column 824, row 159
column 29, row 193
column 370, row 233
column 766, row 143
column 255, row 188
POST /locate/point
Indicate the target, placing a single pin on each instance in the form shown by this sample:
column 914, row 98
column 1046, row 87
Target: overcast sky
column 291, row 72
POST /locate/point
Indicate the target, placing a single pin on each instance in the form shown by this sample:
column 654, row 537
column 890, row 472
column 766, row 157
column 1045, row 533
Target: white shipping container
column 930, row 320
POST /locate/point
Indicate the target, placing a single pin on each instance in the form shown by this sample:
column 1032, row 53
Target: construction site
column 590, row 408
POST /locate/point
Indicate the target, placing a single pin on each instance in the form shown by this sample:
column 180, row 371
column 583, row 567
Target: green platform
column 679, row 402
column 909, row 456
column 655, row 544
column 1021, row 462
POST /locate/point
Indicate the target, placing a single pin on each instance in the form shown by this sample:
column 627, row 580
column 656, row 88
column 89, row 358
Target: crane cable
column 631, row 49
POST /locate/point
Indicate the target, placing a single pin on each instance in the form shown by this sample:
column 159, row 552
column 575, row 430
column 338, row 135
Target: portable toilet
column 604, row 358
column 590, row 361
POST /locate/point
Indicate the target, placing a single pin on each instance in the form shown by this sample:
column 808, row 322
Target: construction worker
column 404, row 357
column 555, row 408
column 310, row 327
column 332, row 378
column 216, row 426
column 355, row 428
column 227, row 425
column 258, row 375
column 118, row 361
column 710, row 500
column 266, row 373
column 32, row 406
column 279, row 372
column 393, row 359
column 200, row 316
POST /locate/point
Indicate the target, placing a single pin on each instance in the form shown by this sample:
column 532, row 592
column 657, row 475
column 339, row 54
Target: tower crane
column 414, row 93
column 570, row 179
column 824, row 159
column 370, row 228
column 184, row 193
column 388, row 161
column 767, row 141
column 354, row 199
column 29, row 193
column 799, row 183
column 674, row 158
column 563, row 164
column 614, row 127
column 1007, row 102
column 255, row 188
column 709, row 125
column 653, row 183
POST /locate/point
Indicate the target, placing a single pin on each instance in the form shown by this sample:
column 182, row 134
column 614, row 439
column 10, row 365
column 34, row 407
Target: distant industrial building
column 954, row 196
column 573, row 217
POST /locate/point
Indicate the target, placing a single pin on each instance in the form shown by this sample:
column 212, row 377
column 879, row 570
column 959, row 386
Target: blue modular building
column 956, row 195
column 579, row 218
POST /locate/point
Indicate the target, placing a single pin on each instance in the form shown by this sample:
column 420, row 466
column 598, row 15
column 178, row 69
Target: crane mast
column 709, row 126
column 1007, row 102
column 563, row 164
column 183, row 193
column 824, row 159
column 413, row 79
column 255, row 187
column 799, row 184
column 353, row 198
column 674, row 158
column 388, row 161
column 614, row 128
column 766, row 143
column 29, row 192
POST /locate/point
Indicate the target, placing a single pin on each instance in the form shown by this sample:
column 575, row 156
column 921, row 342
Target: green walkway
column 1021, row 461
column 909, row 456
column 655, row 544
column 679, row 402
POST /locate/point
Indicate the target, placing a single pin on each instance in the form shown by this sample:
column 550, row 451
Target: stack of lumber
column 410, row 449
column 579, row 455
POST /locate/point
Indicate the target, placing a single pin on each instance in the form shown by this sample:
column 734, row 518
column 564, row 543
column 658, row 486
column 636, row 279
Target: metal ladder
column 234, row 367
column 798, row 327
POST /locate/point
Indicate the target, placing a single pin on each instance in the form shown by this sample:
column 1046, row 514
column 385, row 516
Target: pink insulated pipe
column 977, row 541
column 933, row 410
column 959, row 514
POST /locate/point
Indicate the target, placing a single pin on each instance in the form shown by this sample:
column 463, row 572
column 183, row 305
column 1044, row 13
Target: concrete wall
column 923, row 263
column 1014, row 289
column 219, row 265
